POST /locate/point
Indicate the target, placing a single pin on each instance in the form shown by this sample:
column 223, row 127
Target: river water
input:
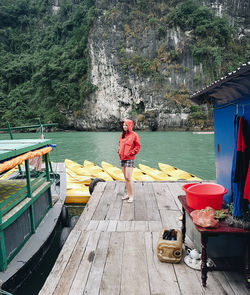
column 189, row 151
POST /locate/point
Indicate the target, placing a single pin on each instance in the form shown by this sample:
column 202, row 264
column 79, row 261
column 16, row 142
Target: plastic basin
column 201, row 195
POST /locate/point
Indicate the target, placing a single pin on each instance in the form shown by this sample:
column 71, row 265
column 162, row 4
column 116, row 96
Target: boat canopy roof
column 229, row 89
column 12, row 148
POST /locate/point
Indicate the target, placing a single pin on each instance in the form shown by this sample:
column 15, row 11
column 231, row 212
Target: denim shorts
column 127, row 163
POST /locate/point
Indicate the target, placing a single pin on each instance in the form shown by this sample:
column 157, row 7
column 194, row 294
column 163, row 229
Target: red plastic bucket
column 201, row 195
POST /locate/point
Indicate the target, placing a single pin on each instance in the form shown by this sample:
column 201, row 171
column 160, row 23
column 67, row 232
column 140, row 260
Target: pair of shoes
column 130, row 200
column 125, row 197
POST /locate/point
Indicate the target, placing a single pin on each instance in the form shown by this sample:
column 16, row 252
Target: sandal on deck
column 125, row 197
column 130, row 200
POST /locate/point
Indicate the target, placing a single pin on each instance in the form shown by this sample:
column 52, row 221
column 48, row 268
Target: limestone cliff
column 143, row 70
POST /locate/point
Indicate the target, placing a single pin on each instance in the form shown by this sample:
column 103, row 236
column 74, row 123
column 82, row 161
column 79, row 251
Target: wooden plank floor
column 112, row 248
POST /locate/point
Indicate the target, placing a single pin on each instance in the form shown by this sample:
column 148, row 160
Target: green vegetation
column 44, row 59
column 215, row 44
column 139, row 64
column 200, row 116
column 179, row 96
column 212, row 40
column 113, row 13
column 134, row 110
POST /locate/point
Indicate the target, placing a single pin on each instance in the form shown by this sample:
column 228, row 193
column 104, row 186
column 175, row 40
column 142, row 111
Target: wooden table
column 223, row 229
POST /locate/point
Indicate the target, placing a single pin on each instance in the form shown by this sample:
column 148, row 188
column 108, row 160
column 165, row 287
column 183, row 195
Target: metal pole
column 11, row 136
column 47, row 166
column 46, row 157
column 3, row 259
column 29, row 191
column 10, row 132
column 27, row 169
column 41, row 127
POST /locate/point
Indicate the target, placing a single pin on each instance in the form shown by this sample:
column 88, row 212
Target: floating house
column 230, row 97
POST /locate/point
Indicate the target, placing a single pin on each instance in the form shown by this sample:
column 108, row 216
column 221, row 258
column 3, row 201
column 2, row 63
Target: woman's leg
column 124, row 174
column 128, row 180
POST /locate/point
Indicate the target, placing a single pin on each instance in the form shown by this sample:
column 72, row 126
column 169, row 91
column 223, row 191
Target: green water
column 191, row 152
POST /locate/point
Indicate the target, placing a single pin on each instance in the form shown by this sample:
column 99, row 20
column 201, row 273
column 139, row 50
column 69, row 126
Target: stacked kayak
column 76, row 168
column 79, row 177
column 156, row 174
column 116, row 173
column 96, row 171
column 178, row 173
column 139, row 175
column 113, row 171
column 78, row 180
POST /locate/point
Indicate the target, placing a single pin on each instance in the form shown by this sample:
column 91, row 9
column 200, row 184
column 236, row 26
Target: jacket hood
column 129, row 123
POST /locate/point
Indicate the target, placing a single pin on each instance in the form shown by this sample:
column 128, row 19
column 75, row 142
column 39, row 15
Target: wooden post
column 204, row 240
column 183, row 225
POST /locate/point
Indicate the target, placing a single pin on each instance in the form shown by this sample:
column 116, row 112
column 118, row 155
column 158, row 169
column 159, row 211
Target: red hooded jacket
column 129, row 146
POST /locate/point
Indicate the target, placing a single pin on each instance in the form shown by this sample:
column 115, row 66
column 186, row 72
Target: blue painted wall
column 224, row 141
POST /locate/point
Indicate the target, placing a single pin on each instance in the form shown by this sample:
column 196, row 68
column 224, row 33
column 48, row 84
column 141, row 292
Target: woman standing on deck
column 129, row 146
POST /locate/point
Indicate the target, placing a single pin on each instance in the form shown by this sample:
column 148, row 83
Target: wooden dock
column 112, row 248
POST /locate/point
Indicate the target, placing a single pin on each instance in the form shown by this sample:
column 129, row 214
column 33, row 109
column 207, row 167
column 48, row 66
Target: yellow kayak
column 97, row 171
column 69, row 163
column 77, row 193
column 178, row 173
column 87, row 163
column 156, row 174
column 106, row 165
column 139, row 175
column 80, row 171
column 76, row 168
column 75, row 178
column 114, row 172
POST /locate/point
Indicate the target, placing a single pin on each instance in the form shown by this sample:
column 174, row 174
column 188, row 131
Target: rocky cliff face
column 238, row 13
column 141, row 71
